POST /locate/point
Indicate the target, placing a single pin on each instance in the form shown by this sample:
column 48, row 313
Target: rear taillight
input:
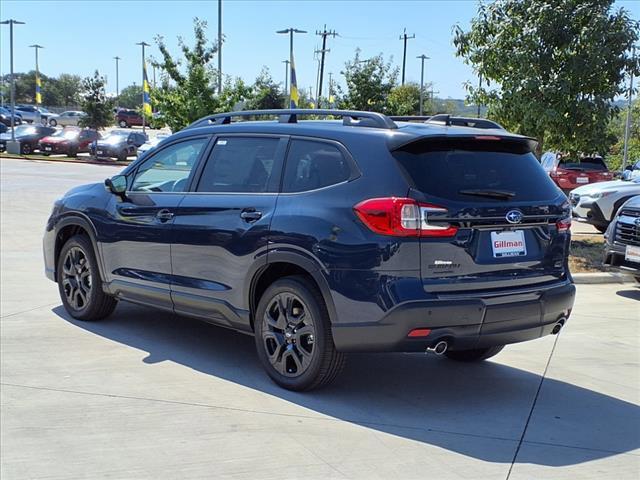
column 563, row 225
column 402, row 217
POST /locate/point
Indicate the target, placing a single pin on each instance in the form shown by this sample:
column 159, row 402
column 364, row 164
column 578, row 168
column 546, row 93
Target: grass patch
column 586, row 254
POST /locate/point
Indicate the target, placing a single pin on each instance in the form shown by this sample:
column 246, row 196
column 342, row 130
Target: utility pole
column 291, row 31
column 143, row 44
column 422, row 58
column 627, row 127
column 219, row 47
column 324, row 34
column 117, row 59
column 38, row 93
column 319, row 73
column 11, row 23
column 405, row 37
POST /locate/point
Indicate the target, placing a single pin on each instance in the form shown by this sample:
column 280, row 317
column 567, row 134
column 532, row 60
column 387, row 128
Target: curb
column 602, row 277
column 38, row 158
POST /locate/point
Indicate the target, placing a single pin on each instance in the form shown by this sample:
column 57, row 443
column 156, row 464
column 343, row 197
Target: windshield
column 25, row 130
column 66, row 133
column 589, row 163
column 115, row 137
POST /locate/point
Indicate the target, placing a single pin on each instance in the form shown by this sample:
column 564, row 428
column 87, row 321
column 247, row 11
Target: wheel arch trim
column 81, row 220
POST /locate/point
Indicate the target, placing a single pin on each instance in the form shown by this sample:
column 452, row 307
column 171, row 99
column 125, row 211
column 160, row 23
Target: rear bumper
column 464, row 322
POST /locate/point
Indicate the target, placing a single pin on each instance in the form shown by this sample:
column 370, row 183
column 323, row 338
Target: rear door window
column 242, row 165
column 451, row 168
column 311, row 165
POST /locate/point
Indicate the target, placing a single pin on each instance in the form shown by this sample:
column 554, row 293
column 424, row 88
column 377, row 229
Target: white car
column 598, row 203
column 151, row 144
column 65, row 119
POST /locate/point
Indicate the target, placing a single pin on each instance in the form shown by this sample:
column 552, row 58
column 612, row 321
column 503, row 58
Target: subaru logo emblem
column 637, row 222
column 514, row 216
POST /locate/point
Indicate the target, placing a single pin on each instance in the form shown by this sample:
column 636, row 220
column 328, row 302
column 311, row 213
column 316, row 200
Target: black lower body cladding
column 464, row 322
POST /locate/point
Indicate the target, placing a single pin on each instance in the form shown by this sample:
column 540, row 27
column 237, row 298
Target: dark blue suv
column 322, row 237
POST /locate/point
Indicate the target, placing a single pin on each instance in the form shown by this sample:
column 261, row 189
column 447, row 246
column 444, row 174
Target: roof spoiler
column 528, row 143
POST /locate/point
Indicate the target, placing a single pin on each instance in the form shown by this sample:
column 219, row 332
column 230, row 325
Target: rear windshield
column 451, row 168
column 594, row 163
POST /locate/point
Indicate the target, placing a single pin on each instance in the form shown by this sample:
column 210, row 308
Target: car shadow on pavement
column 632, row 293
column 478, row 410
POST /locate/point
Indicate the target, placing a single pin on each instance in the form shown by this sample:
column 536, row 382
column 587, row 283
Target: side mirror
column 117, row 185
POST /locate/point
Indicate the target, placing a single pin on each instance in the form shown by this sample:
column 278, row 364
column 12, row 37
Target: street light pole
column 143, row 44
column 291, row 31
column 117, row 59
column 219, row 47
column 627, row 127
column 286, row 77
column 38, row 94
column 11, row 23
column 422, row 58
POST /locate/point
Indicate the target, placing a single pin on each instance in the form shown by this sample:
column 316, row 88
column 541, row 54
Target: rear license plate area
column 509, row 243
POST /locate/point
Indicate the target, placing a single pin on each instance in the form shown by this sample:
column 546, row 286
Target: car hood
column 57, row 139
column 106, row 144
column 603, row 186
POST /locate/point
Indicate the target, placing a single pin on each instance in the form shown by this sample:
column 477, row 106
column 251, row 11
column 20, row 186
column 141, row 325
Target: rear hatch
column 587, row 170
column 491, row 216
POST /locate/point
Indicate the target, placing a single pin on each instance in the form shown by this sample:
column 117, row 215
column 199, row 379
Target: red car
column 128, row 118
column 70, row 141
column 569, row 174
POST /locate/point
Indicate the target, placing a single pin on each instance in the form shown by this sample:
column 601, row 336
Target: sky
column 81, row 36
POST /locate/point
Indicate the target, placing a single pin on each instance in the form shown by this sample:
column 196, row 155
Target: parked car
column 597, row 204
column 29, row 113
column 45, row 115
column 5, row 117
column 569, row 174
column 152, row 143
column 3, row 128
column 326, row 237
column 118, row 144
column 69, row 141
column 65, row 119
column 28, row 136
column 128, row 118
column 631, row 171
column 622, row 238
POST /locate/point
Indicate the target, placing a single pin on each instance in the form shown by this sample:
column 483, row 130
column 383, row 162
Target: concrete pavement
column 146, row 394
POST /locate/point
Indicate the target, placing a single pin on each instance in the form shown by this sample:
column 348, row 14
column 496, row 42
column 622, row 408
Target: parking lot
column 145, row 394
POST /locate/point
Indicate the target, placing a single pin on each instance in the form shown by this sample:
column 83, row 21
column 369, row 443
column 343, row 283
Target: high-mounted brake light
column 487, row 137
column 563, row 225
column 402, row 217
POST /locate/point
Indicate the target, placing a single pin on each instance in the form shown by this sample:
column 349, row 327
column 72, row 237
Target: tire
column 295, row 360
column 26, row 149
column 475, row 355
column 79, row 281
column 73, row 152
column 122, row 156
column 123, row 124
column 53, row 122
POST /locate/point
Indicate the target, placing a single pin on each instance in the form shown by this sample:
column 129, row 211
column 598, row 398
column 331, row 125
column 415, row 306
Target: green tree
column 95, row 103
column 235, row 95
column 553, row 67
column 369, row 83
column 65, row 90
column 130, row 97
column 192, row 92
column 266, row 93
column 405, row 100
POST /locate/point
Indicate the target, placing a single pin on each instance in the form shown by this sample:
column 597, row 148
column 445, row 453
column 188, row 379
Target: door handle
column 164, row 215
column 250, row 215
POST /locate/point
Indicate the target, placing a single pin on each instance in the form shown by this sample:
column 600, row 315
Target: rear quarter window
column 445, row 167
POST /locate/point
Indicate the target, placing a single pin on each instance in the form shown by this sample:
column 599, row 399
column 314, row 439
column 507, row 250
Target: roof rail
column 442, row 118
column 410, row 118
column 349, row 117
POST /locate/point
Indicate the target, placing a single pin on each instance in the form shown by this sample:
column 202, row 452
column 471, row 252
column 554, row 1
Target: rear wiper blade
column 488, row 193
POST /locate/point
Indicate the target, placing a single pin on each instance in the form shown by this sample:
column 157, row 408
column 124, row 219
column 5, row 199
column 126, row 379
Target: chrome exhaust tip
column 439, row 348
column 558, row 326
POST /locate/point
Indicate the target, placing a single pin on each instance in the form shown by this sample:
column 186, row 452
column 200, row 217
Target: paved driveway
column 145, row 394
